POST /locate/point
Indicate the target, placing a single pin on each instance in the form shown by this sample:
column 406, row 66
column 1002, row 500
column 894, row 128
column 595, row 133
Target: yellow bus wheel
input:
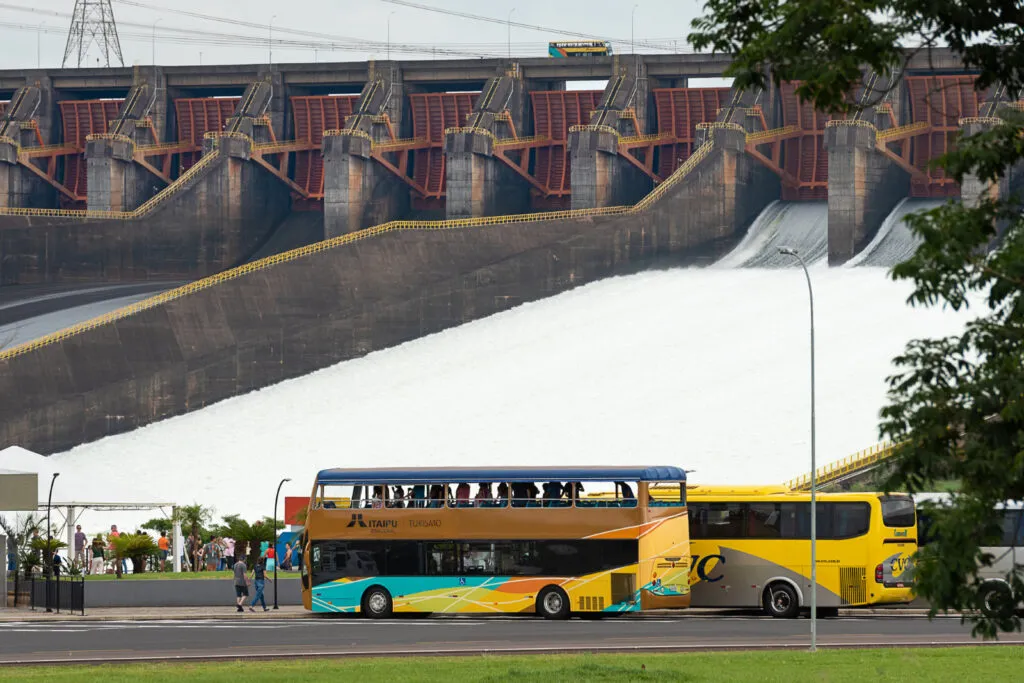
column 553, row 603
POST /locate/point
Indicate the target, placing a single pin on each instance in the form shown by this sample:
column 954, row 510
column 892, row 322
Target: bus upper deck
column 527, row 539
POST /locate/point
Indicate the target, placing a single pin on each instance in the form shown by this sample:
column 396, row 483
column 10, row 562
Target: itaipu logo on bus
column 374, row 525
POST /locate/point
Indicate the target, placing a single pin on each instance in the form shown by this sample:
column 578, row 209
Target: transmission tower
column 92, row 23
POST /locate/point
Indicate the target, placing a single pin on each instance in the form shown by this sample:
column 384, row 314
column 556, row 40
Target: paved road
column 254, row 635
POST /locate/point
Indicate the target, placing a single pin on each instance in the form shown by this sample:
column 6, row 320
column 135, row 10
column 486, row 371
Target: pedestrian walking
column 241, row 583
column 259, row 575
column 79, row 546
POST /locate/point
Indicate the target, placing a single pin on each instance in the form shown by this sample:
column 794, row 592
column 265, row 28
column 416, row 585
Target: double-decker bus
column 997, row 595
column 750, row 547
column 580, row 48
column 496, row 540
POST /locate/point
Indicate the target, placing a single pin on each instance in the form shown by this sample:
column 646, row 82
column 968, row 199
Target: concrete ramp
column 801, row 225
column 894, row 243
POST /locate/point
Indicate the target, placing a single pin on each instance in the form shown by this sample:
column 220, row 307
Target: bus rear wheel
column 553, row 603
column 377, row 602
column 780, row 601
column 997, row 600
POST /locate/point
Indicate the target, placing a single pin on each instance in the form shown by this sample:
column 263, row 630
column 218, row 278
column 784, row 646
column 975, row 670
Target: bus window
column 764, row 520
column 897, row 511
column 1013, row 528
column 524, row 494
column 720, row 520
column 850, row 520
column 667, row 495
column 442, row 558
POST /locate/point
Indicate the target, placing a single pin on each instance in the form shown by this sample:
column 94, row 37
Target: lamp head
column 787, row 251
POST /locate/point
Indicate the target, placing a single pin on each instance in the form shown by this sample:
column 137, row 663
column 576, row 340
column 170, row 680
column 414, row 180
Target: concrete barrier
column 182, row 593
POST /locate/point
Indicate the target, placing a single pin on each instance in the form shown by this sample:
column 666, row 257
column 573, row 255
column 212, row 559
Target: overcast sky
column 37, row 29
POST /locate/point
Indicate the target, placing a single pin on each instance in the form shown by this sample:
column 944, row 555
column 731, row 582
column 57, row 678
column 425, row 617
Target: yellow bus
column 496, row 540
column 750, row 547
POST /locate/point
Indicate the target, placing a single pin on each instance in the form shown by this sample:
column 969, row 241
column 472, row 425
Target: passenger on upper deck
column 462, row 495
column 398, row 500
column 418, row 494
column 553, row 494
column 574, row 490
column 436, row 496
column 484, row 497
column 502, row 499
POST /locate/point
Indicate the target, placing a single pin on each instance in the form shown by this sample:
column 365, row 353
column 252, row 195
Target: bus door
column 893, row 563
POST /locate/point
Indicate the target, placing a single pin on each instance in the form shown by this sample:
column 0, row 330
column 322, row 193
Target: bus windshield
column 897, row 511
column 547, row 540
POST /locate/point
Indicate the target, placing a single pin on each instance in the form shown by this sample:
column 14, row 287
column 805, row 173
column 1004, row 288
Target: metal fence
column 51, row 593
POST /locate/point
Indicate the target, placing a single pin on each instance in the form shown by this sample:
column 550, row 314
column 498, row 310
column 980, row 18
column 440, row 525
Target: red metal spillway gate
column 198, row 116
column 432, row 113
column 554, row 111
column 82, row 118
column 313, row 115
column 803, row 158
column 940, row 101
column 679, row 112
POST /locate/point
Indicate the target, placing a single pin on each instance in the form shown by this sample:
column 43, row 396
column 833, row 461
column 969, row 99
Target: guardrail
column 593, row 128
column 113, row 137
column 350, row 132
column 711, row 125
column 650, row 137
column 504, row 142
column 4, row 140
column 986, row 120
column 899, row 131
column 144, row 209
column 214, row 280
column 841, row 469
column 860, row 123
column 471, row 130
column 770, row 133
column 400, row 143
column 691, row 162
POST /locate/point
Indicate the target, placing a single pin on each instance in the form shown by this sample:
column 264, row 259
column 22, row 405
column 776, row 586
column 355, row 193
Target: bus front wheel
column 553, row 603
column 997, row 600
column 780, row 601
column 377, row 602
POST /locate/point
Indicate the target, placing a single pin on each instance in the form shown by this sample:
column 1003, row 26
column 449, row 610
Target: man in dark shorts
column 241, row 583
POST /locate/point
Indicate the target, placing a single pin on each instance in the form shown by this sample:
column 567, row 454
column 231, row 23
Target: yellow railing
column 351, row 132
column 841, row 469
column 680, row 173
column 890, row 133
column 398, row 144
column 861, row 123
column 141, row 211
column 593, row 128
column 217, row 135
column 712, row 125
column 651, row 137
column 393, row 226
column 206, row 283
column 4, row 140
column 986, row 120
column 471, row 130
column 502, row 142
column 770, row 133
column 113, row 137
column 43, row 150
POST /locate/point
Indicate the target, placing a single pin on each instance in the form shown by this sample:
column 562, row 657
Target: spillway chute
column 894, row 243
column 800, row 225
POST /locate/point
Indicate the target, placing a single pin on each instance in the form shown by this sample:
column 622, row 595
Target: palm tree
column 136, row 547
column 194, row 517
column 247, row 536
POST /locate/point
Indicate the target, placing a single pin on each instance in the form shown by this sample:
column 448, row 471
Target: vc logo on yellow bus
column 899, row 564
column 706, row 567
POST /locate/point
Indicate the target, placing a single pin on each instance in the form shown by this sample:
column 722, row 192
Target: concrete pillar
column 358, row 191
column 278, row 99
column 863, row 187
column 154, row 77
column 11, row 186
column 107, row 163
column 599, row 175
column 478, row 184
column 974, row 188
column 46, row 114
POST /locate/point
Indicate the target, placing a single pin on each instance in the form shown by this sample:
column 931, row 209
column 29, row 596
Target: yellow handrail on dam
column 392, row 226
column 841, row 469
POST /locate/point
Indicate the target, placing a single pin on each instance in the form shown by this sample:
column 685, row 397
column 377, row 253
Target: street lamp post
column 510, row 32
column 389, row 37
column 789, row 251
column 48, row 556
column 277, row 560
column 270, row 40
column 154, row 38
column 632, row 31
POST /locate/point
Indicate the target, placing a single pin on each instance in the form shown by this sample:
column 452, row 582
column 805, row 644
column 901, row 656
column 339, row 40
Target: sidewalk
column 21, row 614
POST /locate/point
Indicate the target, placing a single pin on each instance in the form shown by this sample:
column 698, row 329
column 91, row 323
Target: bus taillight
column 878, row 573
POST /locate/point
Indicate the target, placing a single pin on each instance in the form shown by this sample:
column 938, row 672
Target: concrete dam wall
column 291, row 314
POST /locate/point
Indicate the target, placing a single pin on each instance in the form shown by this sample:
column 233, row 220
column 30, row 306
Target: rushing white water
column 800, row 225
column 703, row 368
column 894, row 243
